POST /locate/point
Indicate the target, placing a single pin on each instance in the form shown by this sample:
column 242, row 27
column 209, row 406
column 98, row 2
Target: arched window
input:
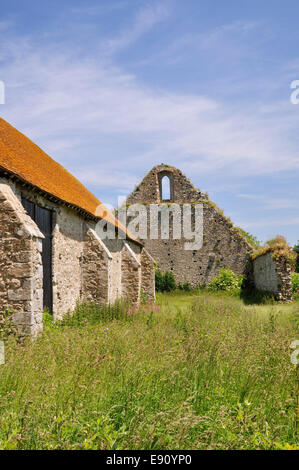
column 165, row 188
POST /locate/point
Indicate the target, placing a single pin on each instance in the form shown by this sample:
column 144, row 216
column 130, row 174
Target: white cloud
column 68, row 105
column 277, row 222
column 145, row 20
column 99, row 9
column 273, row 203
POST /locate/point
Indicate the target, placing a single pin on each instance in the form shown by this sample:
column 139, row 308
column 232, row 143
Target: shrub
column 295, row 284
column 159, row 281
column 226, row 280
column 164, row 282
column 186, row 287
column 7, row 326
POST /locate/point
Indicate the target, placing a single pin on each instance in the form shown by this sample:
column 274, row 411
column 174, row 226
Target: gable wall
column 222, row 244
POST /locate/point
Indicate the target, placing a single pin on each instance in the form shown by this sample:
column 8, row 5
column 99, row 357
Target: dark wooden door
column 43, row 219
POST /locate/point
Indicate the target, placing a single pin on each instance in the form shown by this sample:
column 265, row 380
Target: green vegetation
column 164, row 282
column 227, row 281
column 295, row 284
column 279, row 248
column 296, row 250
column 204, row 371
column 252, row 239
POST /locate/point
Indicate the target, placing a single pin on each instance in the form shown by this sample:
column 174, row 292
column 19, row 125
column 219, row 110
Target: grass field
column 202, row 372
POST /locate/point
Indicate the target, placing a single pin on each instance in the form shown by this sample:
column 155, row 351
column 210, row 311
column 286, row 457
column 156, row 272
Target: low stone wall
column 21, row 272
column 273, row 275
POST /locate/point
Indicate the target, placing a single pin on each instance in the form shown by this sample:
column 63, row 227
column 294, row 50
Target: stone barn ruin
column 223, row 245
column 50, row 253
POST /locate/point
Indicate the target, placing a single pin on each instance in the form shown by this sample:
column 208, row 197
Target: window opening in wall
column 165, row 186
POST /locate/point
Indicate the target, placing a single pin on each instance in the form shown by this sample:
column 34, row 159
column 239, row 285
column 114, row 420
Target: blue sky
column 110, row 88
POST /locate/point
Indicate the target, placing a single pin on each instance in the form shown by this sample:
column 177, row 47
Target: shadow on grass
column 251, row 296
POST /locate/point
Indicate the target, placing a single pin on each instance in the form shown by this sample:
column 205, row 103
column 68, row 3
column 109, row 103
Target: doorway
column 43, row 219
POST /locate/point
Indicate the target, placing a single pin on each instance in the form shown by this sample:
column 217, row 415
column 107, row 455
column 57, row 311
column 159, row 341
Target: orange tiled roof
column 21, row 157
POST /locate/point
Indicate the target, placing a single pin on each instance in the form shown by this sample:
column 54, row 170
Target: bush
column 186, row 287
column 295, row 284
column 296, row 250
column 226, row 280
column 164, row 282
column 169, row 282
column 159, row 281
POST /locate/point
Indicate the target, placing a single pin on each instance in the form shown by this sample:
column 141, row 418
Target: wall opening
column 166, row 186
column 43, row 219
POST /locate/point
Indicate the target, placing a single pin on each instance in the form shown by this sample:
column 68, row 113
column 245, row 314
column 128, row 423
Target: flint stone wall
column 274, row 276
column 20, row 264
column 223, row 246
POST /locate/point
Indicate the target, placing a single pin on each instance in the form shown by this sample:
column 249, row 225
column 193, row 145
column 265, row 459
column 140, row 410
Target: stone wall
column 21, row 274
column 223, row 245
column 83, row 265
column 67, row 249
column 273, row 275
column 147, row 275
column 115, row 248
column 69, row 229
column 96, row 264
column 131, row 274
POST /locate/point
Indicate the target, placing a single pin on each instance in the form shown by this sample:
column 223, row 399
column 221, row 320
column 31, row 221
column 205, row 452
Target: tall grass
column 201, row 373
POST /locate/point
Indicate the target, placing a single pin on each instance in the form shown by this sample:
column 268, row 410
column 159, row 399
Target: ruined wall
column 273, row 275
column 21, row 272
column 223, row 246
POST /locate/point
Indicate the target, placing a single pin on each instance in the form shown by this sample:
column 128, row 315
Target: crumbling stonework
column 20, row 264
column 223, row 245
column 273, row 275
